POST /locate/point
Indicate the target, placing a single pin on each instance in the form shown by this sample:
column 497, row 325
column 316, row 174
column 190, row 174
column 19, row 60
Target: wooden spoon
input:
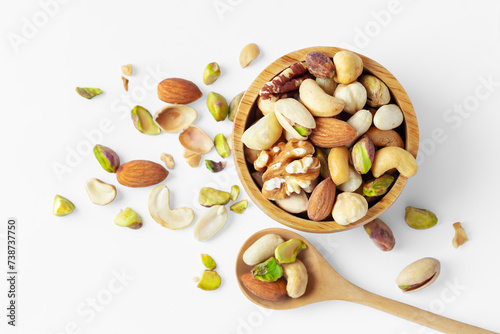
column 326, row 284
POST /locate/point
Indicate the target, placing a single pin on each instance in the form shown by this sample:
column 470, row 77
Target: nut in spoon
column 324, row 283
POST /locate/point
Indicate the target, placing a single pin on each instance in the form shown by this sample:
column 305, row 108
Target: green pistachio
column 362, row 155
column 379, row 186
column 88, row 93
column 217, row 105
column 233, row 106
column 420, row 219
column 210, row 280
column 268, row 271
column 209, row 197
column 208, row 262
column 239, row 207
column 143, row 121
column 129, row 218
column 62, row 206
column 287, row 251
column 211, row 73
column 108, row 158
column 235, row 192
column 322, row 156
column 301, row 131
column 222, row 146
column 215, row 166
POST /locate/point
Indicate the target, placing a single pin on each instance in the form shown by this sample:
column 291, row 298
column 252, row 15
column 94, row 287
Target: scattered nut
column 222, row 146
column 418, row 275
column 420, row 219
column 262, row 249
column 268, row 271
column 390, row 157
column 194, row 160
column 354, row 96
column 296, row 277
column 125, row 83
column 378, row 186
column 127, row 69
column 217, row 105
column 460, row 237
column 159, row 208
column 88, row 93
column 196, row 140
column 100, row 193
column 62, row 206
column 211, row 73
column 108, row 158
column 210, row 280
column 235, row 192
column 380, row 234
column 129, row 218
column 239, row 207
column 287, row 251
column 215, row 166
column 141, row 173
column 208, row 262
column 168, row 160
column 377, row 92
column 349, row 207
column 210, row 223
column 209, row 197
column 143, row 121
column 175, row 117
column 177, row 90
column 233, row 106
column 248, row 54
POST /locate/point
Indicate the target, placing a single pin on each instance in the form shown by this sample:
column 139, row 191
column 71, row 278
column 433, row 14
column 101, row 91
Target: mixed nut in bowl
column 324, row 140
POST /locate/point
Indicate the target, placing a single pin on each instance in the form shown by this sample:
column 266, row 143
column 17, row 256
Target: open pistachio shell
column 196, row 140
column 419, row 274
column 175, row 118
column 292, row 115
column 263, row 134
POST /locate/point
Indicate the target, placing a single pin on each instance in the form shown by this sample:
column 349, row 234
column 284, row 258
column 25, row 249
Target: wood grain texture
column 324, row 283
column 246, row 115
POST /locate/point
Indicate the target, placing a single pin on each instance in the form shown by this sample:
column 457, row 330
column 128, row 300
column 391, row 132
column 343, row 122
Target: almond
column 332, row 132
column 180, row 91
column 265, row 290
column 321, row 201
column 141, row 173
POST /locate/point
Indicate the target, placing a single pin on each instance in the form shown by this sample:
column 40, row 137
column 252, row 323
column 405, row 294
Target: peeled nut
column 348, row 66
column 263, row 134
column 380, row 234
column 235, row 192
column 377, row 92
column 378, row 186
column 210, row 223
column 460, row 237
column 420, row 219
column 233, row 106
column 222, row 146
column 318, row 102
column 210, row 280
column 248, row 54
column 215, row 166
column 211, row 73
column 168, row 160
column 129, row 218
column 100, row 193
column 268, row 271
column 419, row 274
column 127, row 69
column 208, row 262
column 262, row 249
column 108, row 159
column 287, row 251
column 390, row 157
column 217, row 105
column 143, row 121
column 296, row 277
column 88, row 93
column 239, row 207
column 159, row 208
column 209, row 197
column 349, row 207
column 175, row 117
column 388, row 117
column 354, row 96
column 362, row 155
column 62, row 206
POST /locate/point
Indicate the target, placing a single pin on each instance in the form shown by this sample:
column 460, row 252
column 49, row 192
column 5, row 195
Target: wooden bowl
column 246, row 116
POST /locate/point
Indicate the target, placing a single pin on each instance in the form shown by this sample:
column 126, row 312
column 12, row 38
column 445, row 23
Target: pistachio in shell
column 263, row 134
column 378, row 186
column 143, row 121
column 380, row 234
column 175, row 117
column 196, row 140
column 420, row 219
column 377, row 92
column 294, row 118
column 418, row 275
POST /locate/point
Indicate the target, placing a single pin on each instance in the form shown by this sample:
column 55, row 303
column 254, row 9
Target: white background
column 441, row 52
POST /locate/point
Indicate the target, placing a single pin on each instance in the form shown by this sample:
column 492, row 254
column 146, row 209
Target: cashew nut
column 383, row 138
column 319, row 103
column 159, row 208
column 296, row 278
column 394, row 157
column 338, row 163
column 262, row 249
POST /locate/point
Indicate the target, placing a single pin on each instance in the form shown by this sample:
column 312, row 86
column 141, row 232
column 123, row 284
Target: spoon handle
column 414, row 314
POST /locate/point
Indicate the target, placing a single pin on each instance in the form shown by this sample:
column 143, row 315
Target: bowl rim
column 246, row 105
